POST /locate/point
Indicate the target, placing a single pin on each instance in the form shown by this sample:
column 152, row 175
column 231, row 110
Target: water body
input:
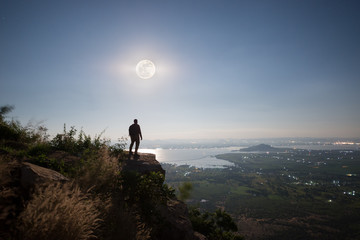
column 200, row 158
column 205, row 157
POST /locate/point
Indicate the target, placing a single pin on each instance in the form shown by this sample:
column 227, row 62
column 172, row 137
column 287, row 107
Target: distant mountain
column 262, row 148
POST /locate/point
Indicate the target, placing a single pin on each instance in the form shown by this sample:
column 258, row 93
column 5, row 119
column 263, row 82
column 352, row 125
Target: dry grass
column 10, row 196
column 59, row 211
column 7, row 164
column 143, row 231
column 100, row 172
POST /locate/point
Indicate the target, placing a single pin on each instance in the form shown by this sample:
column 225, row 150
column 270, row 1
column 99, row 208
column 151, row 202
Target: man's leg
column 137, row 143
column 131, row 146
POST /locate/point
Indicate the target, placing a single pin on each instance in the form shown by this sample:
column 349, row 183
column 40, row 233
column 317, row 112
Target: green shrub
column 146, row 191
column 68, row 142
column 117, row 150
column 215, row 226
column 6, row 131
column 46, row 162
column 39, row 149
column 39, row 155
column 65, row 141
column 14, row 131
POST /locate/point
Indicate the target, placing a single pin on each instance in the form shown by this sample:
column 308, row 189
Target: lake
column 205, row 157
column 200, row 158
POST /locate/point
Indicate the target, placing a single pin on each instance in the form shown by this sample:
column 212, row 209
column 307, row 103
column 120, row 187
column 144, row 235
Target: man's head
column 135, row 121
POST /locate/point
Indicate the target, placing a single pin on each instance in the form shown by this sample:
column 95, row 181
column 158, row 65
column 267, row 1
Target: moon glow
column 145, row 69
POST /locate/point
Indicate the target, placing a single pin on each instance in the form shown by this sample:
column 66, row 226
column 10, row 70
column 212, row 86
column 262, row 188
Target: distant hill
column 262, row 148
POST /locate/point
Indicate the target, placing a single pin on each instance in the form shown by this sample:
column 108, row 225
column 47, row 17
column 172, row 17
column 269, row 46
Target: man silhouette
column 135, row 136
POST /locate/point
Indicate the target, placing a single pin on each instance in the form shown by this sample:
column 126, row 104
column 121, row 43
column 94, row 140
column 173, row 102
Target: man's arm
column 140, row 133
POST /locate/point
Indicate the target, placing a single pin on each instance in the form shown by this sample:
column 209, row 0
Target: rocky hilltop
column 169, row 219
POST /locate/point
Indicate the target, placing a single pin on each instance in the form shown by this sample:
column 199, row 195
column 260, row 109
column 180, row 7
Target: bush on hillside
column 185, row 191
column 215, row 226
column 11, row 130
column 68, row 142
column 146, row 191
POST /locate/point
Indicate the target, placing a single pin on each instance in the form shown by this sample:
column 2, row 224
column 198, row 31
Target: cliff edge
column 175, row 224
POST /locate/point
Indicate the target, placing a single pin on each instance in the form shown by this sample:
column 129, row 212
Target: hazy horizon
column 234, row 69
column 305, row 143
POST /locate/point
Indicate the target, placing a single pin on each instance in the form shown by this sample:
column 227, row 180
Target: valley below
column 281, row 193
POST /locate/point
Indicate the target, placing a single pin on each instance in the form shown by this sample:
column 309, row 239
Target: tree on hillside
column 215, row 226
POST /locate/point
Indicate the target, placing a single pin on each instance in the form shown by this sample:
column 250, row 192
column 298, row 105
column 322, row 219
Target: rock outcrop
column 174, row 213
column 143, row 164
column 32, row 174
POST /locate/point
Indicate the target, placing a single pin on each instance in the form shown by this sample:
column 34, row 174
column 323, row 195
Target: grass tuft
column 59, row 211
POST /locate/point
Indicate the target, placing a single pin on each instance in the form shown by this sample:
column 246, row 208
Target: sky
column 224, row 69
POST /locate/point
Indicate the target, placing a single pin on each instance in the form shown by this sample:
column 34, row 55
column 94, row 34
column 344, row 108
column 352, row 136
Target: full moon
column 145, row 69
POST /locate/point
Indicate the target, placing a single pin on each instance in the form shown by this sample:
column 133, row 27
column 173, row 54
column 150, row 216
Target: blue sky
column 225, row 69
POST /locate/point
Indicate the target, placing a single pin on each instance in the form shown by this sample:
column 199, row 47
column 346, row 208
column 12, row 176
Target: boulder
column 32, row 174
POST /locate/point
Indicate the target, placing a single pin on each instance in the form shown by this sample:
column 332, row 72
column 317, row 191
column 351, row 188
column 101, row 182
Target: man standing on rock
column 135, row 136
